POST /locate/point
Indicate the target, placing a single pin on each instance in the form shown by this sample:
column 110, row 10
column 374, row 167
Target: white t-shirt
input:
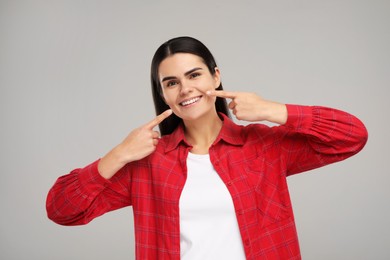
column 208, row 223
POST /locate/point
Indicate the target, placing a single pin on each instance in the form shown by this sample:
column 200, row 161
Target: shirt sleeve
column 317, row 136
column 83, row 194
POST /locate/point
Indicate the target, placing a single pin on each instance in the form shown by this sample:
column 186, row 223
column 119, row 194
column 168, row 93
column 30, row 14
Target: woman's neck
column 201, row 133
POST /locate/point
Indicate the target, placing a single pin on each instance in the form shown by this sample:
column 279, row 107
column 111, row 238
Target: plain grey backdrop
column 74, row 78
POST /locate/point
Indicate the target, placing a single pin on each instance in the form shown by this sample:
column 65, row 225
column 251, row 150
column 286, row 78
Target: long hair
column 180, row 45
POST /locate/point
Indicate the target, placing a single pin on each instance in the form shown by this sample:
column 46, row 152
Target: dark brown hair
column 180, row 45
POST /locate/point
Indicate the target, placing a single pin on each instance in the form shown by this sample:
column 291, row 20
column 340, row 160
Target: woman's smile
column 190, row 101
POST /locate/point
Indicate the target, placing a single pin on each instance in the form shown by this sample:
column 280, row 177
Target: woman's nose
column 185, row 88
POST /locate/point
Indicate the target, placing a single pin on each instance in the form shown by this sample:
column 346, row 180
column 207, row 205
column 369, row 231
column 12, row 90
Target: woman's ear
column 217, row 77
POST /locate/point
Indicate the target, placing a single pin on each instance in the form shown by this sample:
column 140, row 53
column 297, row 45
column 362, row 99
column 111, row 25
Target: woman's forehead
column 179, row 63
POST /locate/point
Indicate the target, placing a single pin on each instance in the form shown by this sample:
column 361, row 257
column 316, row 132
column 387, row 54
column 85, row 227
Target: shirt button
column 240, row 212
column 247, row 242
column 216, row 163
column 229, row 183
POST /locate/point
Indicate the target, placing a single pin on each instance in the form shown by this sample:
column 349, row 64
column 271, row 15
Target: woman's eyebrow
column 190, row 71
column 185, row 74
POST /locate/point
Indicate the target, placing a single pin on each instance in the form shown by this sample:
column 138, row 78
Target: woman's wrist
column 276, row 113
column 111, row 163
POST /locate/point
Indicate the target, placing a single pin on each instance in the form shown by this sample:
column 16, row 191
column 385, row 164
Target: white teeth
column 189, row 102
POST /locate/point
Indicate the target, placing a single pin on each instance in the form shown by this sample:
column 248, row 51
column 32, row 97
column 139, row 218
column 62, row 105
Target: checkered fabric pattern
column 253, row 161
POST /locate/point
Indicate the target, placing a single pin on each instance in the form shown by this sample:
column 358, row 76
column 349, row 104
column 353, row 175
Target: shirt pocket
column 270, row 192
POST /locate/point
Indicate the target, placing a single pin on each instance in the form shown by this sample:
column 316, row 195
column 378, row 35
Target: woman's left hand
column 251, row 107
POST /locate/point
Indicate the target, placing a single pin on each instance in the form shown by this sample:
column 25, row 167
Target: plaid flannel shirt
column 253, row 161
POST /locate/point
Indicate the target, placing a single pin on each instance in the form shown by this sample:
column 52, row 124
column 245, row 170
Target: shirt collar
column 230, row 133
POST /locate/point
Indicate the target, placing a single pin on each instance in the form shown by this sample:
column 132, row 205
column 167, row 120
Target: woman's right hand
column 138, row 144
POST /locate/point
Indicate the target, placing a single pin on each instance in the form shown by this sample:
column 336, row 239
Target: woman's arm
column 253, row 108
column 308, row 136
column 83, row 194
column 138, row 144
column 315, row 136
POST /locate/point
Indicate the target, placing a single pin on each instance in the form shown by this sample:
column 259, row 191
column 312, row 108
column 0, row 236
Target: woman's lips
column 190, row 101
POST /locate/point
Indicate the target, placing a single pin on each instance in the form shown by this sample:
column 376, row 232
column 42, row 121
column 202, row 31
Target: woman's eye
column 194, row 75
column 171, row 83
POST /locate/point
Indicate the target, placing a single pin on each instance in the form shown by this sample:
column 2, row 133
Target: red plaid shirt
column 253, row 161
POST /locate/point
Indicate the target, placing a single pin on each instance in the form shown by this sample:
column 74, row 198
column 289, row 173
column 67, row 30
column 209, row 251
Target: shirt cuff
column 300, row 118
column 91, row 180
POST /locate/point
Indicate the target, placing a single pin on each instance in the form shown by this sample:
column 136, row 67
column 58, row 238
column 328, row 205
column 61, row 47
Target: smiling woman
column 207, row 188
column 185, row 92
column 203, row 63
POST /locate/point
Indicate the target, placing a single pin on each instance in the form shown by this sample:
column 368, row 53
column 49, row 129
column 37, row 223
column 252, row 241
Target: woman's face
column 184, row 80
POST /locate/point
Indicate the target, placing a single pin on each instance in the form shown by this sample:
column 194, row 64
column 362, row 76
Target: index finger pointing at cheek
column 161, row 117
column 221, row 93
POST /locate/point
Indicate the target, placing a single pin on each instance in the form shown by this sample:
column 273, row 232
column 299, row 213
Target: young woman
column 207, row 188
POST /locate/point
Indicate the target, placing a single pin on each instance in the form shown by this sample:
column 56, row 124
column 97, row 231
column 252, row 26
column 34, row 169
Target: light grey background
column 74, row 78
